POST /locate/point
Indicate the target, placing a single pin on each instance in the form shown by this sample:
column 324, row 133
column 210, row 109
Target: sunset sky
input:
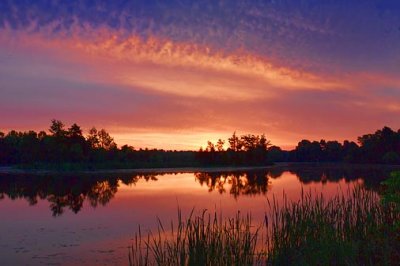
column 174, row 74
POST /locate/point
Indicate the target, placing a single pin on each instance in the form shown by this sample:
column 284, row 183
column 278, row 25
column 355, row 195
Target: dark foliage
column 68, row 149
column 381, row 147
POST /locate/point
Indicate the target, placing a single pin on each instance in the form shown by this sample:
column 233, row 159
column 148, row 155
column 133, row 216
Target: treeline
column 381, row 147
column 246, row 150
column 69, row 148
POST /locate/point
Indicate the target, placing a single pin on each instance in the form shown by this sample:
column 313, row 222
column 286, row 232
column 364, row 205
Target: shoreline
column 212, row 169
column 11, row 170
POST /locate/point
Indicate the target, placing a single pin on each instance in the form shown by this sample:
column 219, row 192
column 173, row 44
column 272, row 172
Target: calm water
column 91, row 219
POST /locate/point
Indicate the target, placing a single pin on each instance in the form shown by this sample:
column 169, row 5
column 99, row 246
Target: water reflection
column 258, row 182
column 371, row 175
column 70, row 192
column 239, row 183
column 66, row 192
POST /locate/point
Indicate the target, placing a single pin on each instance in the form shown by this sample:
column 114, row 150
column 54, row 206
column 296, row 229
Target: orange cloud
column 185, row 92
column 178, row 68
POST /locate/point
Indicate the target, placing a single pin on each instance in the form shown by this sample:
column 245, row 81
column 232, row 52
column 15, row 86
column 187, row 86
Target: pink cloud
column 165, row 94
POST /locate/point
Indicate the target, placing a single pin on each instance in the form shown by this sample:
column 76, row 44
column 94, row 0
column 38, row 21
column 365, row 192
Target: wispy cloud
column 164, row 70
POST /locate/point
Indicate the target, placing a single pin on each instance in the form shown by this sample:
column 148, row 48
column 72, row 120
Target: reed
column 352, row 228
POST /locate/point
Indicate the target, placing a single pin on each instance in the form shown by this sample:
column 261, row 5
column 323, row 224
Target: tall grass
column 205, row 239
column 352, row 230
column 348, row 229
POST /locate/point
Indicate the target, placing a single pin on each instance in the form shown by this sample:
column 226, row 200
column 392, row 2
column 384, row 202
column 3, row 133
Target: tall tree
column 234, row 142
column 220, row 145
column 105, row 140
column 210, row 146
column 75, row 131
column 57, row 128
column 93, row 138
column 264, row 143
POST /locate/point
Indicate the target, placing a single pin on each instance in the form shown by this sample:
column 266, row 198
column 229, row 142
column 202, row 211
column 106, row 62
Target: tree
column 3, row 152
column 374, row 146
column 220, row 145
column 127, row 148
column 93, row 138
column 57, row 128
column 332, row 151
column 210, row 147
column 75, row 131
column 42, row 135
column 308, row 151
column 275, row 154
column 350, row 149
column 234, row 142
column 250, row 141
column 264, row 143
column 105, row 140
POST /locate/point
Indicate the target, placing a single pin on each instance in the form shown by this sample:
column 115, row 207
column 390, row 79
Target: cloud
column 160, row 65
column 183, row 73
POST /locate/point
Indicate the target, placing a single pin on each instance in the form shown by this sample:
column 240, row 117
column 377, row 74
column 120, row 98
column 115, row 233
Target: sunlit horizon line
column 139, row 140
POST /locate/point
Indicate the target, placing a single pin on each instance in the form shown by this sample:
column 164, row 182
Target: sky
column 174, row 74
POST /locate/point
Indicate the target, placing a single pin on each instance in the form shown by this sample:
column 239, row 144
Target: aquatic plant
column 204, row 239
column 352, row 228
column 348, row 229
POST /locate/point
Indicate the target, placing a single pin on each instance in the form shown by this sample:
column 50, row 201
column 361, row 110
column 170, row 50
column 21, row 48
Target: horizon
column 175, row 75
column 85, row 133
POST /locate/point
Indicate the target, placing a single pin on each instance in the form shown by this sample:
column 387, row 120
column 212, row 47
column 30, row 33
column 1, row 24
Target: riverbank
column 194, row 169
column 13, row 170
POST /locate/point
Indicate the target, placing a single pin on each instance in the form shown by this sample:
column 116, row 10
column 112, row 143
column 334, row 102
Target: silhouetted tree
column 210, row 147
column 276, row 154
column 220, row 145
column 380, row 146
column 3, row 153
column 57, row 128
column 105, row 140
column 263, row 142
column 234, row 142
column 93, row 138
column 75, row 131
column 349, row 151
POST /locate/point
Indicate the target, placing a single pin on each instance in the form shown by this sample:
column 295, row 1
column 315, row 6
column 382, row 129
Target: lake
column 91, row 218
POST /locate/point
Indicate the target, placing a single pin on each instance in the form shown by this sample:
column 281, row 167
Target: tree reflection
column 66, row 192
column 240, row 183
column 71, row 192
column 101, row 193
column 371, row 175
column 259, row 182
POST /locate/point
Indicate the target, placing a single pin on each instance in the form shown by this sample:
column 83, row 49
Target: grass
column 355, row 228
column 352, row 230
column 199, row 240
